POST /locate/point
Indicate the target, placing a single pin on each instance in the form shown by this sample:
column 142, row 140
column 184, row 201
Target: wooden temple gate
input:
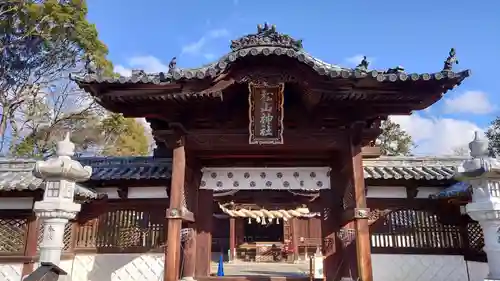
column 268, row 103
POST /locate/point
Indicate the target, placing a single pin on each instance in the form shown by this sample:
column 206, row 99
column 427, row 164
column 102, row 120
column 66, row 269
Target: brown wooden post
column 189, row 254
column 295, row 238
column 331, row 202
column 363, row 248
column 232, row 239
column 31, row 244
column 188, row 269
column 174, row 215
column 204, row 218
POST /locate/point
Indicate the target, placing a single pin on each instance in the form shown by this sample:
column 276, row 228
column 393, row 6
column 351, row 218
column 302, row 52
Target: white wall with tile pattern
column 136, row 267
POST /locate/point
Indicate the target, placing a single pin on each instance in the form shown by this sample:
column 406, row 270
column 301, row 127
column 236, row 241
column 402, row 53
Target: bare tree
column 39, row 41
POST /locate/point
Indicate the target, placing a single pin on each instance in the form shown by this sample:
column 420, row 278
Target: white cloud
column 437, row 136
column 146, row 63
column 123, row 71
column 356, row 60
column 196, row 48
column 475, row 102
column 148, row 131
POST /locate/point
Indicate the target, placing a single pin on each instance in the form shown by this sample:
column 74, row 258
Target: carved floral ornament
column 305, row 178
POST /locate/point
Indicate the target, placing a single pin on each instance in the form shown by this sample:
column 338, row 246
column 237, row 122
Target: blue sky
column 414, row 34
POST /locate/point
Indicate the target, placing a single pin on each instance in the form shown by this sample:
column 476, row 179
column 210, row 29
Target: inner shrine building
column 264, row 135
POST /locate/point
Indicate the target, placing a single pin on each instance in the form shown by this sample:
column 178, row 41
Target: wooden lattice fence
column 13, row 235
column 474, row 243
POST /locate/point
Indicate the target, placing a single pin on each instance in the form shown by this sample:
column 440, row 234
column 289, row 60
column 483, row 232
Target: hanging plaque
column 266, row 113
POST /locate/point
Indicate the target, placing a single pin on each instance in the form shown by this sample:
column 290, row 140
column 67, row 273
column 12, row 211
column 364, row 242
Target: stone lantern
column 60, row 173
column 483, row 173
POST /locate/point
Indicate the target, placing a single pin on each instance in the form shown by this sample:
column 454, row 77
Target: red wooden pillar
column 332, row 248
column 232, row 238
column 174, row 213
column 204, row 218
column 189, row 251
column 361, row 226
column 188, row 269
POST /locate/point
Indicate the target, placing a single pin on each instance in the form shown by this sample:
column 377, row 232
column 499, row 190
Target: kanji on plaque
column 266, row 114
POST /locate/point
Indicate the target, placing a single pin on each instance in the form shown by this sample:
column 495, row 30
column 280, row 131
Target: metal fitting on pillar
column 60, row 174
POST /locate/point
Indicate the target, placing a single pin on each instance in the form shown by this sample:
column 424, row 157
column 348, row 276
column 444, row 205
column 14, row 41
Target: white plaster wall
column 386, row 192
column 399, row 191
column 426, row 191
column 142, row 192
column 10, row 272
column 387, row 267
column 16, row 203
column 136, row 267
column 117, row 267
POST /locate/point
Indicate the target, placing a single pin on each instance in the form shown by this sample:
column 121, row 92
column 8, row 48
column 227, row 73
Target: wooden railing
column 418, row 227
column 133, row 229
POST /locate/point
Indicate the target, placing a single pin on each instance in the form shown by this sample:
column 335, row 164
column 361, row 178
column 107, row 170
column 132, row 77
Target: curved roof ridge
column 268, row 42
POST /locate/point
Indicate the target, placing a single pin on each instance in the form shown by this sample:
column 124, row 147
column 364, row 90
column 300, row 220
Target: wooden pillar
column 188, row 269
column 174, row 213
column 239, row 231
column 232, row 238
column 31, row 244
column 332, row 247
column 189, row 251
column 361, row 226
column 295, row 238
column 204, row 218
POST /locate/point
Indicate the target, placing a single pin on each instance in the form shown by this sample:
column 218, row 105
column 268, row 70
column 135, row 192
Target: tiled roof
column 459, row 189
column 128, row 168
column 17, row 174
column 270, row 42
column 320, row 67
column 418, row 168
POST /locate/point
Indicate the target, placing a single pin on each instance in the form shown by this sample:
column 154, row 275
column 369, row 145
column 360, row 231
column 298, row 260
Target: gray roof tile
column 128, row 168
column 269, row 42
column 418, row 168
column 320, row 67
column 16, row 174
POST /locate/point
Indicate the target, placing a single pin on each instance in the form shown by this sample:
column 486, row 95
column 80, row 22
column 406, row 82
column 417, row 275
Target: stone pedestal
column 60, row 174
column 483, row 173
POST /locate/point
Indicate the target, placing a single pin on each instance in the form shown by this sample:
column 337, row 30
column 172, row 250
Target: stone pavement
column 267, row 269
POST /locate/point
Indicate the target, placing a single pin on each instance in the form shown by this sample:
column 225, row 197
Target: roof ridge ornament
column 395, row 70
column 451, row 60
column 266, row 36
column 363, row 65
column 172, row 65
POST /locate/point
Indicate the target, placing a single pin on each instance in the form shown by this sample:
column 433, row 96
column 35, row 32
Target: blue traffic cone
column 220, row 268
